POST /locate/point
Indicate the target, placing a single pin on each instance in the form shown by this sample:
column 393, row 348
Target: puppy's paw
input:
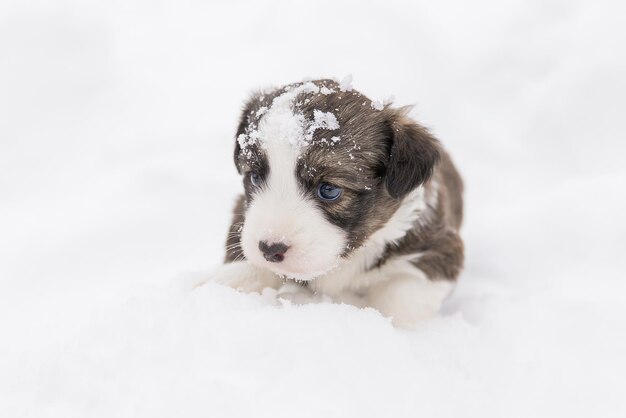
column 408, row 300
column 244, row 277
column 298, row 294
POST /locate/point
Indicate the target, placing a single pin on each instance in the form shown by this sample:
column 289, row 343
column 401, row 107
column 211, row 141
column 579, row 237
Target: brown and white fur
column 390, row 241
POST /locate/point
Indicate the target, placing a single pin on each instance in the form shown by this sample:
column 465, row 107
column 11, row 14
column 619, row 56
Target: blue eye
column 255, row 179
column 328, row 192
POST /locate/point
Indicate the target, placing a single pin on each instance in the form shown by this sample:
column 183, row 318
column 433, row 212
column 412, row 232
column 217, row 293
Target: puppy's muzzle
column 274, row 253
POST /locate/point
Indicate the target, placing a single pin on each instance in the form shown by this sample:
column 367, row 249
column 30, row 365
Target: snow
column 346, row 83
column 283, row 124
column 117, row 185
column 279, row 122
column 377, row 105
column 262, row 110
column 322, row 120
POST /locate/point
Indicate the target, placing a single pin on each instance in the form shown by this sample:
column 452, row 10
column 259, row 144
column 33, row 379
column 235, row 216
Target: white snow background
column 117, row 125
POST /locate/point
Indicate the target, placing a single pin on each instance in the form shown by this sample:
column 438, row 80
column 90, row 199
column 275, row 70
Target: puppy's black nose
column 274, row 253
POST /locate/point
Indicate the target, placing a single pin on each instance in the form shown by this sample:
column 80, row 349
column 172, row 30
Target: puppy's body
column 389, row 240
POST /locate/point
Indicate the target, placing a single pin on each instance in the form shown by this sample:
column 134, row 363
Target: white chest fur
column 354, row 274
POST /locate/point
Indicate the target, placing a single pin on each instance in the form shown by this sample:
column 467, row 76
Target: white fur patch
column 350, row 274
column 398, row 289
column 408, row 298
column 243, row 276
column 279, row 212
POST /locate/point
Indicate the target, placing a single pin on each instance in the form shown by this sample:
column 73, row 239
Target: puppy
column 347, row 198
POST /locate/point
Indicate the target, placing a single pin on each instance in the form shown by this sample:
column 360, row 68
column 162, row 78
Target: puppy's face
column 322, row 170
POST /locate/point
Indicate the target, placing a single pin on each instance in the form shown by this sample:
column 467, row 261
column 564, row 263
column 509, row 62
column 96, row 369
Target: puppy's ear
column 414, row 152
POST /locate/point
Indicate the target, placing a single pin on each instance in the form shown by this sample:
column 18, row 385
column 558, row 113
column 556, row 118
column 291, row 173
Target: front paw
column 244, row 277
column 408, row 300
column 299, row 294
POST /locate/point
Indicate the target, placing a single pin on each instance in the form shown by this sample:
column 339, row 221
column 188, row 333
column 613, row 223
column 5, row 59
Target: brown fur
column 437, row 237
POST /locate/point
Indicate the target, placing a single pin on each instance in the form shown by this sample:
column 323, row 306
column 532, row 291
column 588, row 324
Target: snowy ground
column 116, row 184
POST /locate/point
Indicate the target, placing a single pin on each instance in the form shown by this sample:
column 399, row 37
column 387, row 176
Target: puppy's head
column 323, row 169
